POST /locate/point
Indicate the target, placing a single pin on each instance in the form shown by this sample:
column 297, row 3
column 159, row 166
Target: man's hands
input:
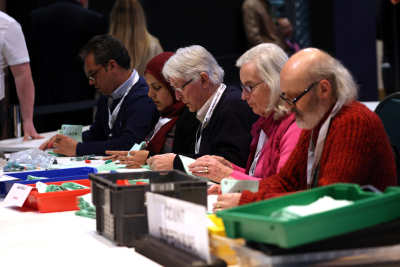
column 162, row 162
column 61, row 144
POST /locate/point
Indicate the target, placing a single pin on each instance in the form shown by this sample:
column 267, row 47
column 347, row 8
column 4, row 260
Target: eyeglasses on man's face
column 294, row 100
column 248, row 88
column 183, row 86
column 92, row 76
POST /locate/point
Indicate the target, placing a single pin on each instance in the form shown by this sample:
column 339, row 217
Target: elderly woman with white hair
column 275, row 133
column 225, row 119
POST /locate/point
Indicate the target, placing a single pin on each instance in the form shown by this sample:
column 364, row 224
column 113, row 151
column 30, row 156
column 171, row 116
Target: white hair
column 343, row 83
column 269, row 60
column 188, row 62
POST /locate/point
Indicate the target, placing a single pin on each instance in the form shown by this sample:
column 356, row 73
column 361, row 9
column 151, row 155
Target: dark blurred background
column 345, row 29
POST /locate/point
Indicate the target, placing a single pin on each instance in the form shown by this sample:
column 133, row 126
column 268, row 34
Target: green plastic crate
column 253, row 221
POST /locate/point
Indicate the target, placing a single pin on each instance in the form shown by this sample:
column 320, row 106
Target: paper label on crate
column 17, row 195
column 180, row 223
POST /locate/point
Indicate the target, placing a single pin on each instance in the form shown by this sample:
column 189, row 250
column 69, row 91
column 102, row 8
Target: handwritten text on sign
column 180, row 223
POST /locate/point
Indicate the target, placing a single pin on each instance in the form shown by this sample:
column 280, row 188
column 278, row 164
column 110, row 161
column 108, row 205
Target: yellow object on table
column 220, row 245
column 216, row 225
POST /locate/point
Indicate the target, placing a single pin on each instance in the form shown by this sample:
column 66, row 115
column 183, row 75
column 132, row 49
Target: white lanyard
column 113, row 116
column 261, row 141
column 161, row 122
column 217, row 97
column 314, row 155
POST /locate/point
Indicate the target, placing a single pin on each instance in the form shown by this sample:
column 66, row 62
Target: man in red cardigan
column 348, row 141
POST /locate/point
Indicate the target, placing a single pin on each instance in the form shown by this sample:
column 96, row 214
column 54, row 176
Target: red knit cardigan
column 357, row 150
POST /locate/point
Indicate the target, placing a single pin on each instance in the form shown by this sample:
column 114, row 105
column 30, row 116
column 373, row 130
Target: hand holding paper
column 211, row 167
column 135, row 159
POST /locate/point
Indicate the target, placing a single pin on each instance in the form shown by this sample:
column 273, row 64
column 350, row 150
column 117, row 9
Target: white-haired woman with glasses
column 275, row 133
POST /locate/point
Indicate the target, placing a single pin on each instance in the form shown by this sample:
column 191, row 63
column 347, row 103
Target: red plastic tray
column 55, row 201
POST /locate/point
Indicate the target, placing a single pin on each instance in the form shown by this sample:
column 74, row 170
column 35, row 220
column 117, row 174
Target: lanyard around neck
column 217, row 97
column 113, row 116
column 161, row 122
column 314, row 153
column 262, row 139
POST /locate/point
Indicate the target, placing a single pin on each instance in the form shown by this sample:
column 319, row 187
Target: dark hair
column 105, row 47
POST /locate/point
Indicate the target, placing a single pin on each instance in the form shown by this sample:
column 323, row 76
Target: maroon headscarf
column 154, row 67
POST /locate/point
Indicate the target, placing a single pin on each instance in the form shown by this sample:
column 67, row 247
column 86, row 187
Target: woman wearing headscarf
column 176, row 128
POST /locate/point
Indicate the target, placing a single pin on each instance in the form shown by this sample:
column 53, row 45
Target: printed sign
column 17, row 195
column 180, row 223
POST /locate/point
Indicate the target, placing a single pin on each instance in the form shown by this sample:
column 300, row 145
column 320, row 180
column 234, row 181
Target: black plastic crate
column 120, row 209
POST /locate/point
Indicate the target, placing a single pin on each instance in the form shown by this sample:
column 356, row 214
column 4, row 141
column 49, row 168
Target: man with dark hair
column 125, row 114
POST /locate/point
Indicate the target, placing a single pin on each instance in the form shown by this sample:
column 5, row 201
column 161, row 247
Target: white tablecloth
column 18, row 144
column 58, row 239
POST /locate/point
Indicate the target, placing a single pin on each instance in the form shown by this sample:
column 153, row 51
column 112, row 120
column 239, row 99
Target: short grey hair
column 343, row 83
column 269, row 60
column 188, row 62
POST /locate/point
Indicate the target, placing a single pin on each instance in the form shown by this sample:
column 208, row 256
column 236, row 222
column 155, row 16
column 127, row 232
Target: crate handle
column 371, row 188
column 162, row 187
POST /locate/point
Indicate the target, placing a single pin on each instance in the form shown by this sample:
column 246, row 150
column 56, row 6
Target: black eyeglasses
column 92, row 77
column 183, row 86
column 294, row 100
column 248, row 89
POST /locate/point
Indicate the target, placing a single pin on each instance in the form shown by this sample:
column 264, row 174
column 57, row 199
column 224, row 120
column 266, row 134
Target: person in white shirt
column 15, row 55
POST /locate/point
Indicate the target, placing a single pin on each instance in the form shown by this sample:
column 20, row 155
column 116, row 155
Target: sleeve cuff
column 178, row 165
column 247, row 197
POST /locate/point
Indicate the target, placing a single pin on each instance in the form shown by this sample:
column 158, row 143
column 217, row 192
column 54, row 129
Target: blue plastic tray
column 53, row 175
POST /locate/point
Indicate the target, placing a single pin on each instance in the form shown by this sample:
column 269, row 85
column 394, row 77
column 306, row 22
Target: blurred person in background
column 58, row 32
column 128, row 24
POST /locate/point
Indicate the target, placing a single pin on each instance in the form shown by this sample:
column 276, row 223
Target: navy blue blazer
column 135, row 120
column 227, row 134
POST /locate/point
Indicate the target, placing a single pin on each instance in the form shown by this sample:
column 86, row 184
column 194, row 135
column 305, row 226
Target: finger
column 201, row 170
column 221, row 197
column 110, row 152
column 126, row 161
column 213, row 190
column 119, row 153
column 44, row 145
column 150, row 160
column 196, row 168
column 217, row 207
column 215, row 179
column 36, row 136
column 109, row 157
